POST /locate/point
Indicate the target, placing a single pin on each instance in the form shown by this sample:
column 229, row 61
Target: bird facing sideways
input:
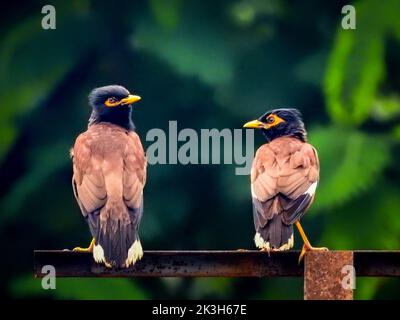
column 109, row 174
column 284, row 178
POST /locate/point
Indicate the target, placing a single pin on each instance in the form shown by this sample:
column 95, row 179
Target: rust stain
column 323, row 275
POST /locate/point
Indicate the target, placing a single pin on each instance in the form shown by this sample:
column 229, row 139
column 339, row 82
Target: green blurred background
column 206, row 64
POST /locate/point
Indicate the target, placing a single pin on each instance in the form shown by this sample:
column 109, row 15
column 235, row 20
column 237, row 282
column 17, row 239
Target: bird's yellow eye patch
column 272, row 120
column 269, row 122
column 112, row 102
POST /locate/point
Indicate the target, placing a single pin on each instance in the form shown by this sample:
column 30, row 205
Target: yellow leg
column 307, row 245
column 88, row 249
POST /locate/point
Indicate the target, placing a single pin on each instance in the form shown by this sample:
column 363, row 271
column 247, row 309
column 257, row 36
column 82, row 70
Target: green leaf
column 46, row 161
column 352, row 77
column 188, row 49
column 386, row 108
column 166, row 13
column 356, row 66
column 211, row 288
column 79, row 288
column 366, row 288
column 396, row 132
column 366, row 222
column 30, row 69
column 350, row 163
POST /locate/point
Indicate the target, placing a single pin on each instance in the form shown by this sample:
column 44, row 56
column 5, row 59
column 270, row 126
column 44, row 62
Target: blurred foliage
column 356, row 66
column 107, row 289
column 208, row 64
column 353, row 171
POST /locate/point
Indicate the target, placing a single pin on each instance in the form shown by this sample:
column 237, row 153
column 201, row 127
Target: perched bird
column 109, row 173
column 284, row 178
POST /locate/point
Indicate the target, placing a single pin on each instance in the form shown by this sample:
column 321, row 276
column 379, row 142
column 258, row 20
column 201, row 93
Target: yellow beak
column 256, row 124
column 130, row 99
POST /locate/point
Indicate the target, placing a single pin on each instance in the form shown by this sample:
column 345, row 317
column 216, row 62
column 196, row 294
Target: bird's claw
column 305, row 249
column 267, row 250
column 79, row 249
column 88, row 249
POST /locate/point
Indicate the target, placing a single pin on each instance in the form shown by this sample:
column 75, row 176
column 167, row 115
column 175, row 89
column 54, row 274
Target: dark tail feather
column 275, row 235
column 115, row 235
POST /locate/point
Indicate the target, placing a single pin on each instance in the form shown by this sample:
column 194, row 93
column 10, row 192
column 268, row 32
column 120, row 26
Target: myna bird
column 109, row 173
column 284, row 178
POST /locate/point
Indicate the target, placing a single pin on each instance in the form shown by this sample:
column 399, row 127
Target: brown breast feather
column 282, row 172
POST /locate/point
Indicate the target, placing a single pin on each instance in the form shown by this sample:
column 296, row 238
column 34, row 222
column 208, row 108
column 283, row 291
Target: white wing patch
column 252, row 192
column 311, row 189
column 261, row 244
column 287, row 245
column 135, row 253
column 98, row 255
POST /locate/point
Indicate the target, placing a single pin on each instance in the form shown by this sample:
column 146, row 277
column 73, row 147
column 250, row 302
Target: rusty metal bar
column 210, row 264
column 329, row 275
column 377, row 263
column 176, row 264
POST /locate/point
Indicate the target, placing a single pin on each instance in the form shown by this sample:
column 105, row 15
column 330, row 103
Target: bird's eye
column 112, row 102
column 270, row 120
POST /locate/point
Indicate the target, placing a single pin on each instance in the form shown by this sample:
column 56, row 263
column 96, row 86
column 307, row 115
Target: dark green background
column 206, row 64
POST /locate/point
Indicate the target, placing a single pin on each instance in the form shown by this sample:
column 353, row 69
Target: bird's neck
column 298, row 133
column 120, row 118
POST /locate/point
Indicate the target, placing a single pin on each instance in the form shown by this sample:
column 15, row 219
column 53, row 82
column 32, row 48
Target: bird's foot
column 80, row 249
column 307, row 248
column 267, row 250
column 88, row 249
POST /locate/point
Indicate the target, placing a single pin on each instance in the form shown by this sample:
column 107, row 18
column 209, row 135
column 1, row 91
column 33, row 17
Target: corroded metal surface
column 377, row 263
column 328, row 275
column 323, row 272
column 176, row 264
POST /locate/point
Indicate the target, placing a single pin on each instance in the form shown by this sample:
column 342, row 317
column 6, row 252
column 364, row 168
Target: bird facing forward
column 284, row 178
column 109, row 173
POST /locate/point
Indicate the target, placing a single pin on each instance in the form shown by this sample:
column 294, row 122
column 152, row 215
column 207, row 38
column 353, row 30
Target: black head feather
column 291, row 126
column 120, row 115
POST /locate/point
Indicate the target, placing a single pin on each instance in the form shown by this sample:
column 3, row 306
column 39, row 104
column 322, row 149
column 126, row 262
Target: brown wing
column 88, row 180
column 134, row 177
column 283, row 181
column 109, row 172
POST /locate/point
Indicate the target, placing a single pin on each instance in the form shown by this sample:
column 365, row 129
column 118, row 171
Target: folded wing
column 283, row 184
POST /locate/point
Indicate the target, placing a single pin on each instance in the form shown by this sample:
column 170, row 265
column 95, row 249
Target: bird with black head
column 109, row 174
column 284, row 178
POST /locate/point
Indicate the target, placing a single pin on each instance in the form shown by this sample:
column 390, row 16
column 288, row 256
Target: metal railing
column 327, row 275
